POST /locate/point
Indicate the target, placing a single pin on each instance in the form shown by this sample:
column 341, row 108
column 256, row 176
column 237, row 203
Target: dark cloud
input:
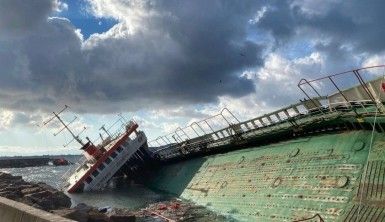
column 353, row 23
column 172, row 53
column 184, row 54
column 21, row 16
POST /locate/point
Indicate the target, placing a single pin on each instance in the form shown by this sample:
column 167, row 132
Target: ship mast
column 66, row 127
column 105, row 130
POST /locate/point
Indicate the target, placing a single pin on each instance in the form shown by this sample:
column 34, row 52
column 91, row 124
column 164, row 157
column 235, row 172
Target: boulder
column 7, row 176
column 49, row 200
column 30, row 190
column 122, row 218
column 73, row 214
column 39, row 195
column 95, row 216
column 13, row 195
column 83, row 207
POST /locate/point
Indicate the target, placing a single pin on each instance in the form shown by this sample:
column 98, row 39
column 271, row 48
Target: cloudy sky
column 167, row 63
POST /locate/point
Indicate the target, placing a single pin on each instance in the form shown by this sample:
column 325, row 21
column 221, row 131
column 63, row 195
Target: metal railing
column 260, row 126
column 203, row 134
column 80, row 162
column 369, row 92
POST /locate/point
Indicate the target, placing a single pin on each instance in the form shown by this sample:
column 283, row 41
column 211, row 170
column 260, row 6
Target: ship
column 320, row 159
column 101, row 162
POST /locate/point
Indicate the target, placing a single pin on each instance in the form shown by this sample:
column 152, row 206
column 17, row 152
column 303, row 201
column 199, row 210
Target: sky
column 167, row 63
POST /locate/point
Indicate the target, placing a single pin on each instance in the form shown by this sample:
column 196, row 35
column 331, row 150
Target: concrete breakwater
column 18, row 162
column 12, row 211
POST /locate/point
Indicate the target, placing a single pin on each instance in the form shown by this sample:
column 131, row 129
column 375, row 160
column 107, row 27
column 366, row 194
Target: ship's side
column 318, row 176
column 327, row 164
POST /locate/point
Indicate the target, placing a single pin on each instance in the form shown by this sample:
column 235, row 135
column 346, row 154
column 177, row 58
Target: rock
column 35, row 205
column 96, row 216
column 11, row 195
column 104, row 209
column 39, row 195
column 45, row 186
column 7, row 176
column 28, row 202
column 45, row 197
column 30, row 190
column 49, row 200
column 74, row 214
column 122, row 218
column 83, row 207
column 10, row 189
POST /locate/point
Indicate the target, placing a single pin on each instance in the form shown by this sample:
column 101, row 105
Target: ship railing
column 366, row 98
column 118, row 128
column 80, row 162
column 354, row 86
column 230, row 129
column 265, row 124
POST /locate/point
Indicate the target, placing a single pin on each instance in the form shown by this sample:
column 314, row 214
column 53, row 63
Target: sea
column 128, row 195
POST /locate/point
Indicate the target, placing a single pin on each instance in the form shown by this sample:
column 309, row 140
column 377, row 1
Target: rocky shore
column 45, row 197
column 38, row 195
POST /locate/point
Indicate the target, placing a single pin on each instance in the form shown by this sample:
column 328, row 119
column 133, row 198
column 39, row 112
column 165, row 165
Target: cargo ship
column 321, row 159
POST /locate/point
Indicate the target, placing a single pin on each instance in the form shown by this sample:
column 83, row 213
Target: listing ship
column 100, row 163
column 321, row 159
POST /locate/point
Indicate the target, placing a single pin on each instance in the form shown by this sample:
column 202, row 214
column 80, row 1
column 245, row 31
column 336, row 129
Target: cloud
column 17, row 16
column 334, row 20
column 6, row 118
column 179, row 58
column 374, row 60
column 160, row 54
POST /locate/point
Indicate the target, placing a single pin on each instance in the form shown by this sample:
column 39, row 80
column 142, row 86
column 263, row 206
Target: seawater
column 130, row 196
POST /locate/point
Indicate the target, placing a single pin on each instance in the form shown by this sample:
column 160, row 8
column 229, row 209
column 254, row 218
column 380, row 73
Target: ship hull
column 329, row 177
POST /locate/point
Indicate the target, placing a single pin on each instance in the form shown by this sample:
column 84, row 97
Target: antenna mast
column 66, row 126
column 105, row 130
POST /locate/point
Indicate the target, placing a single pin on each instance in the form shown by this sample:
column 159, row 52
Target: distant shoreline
column 39, row 156
column 35, row 161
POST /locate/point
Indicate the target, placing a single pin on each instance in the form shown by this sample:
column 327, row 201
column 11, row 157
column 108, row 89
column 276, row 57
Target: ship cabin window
column 88, row 180
column 113, row 155
column 108, row 160
column 95, row 173
column 120, row 149
column 101, row 167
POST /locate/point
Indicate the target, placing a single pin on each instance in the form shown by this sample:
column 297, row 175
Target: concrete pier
column 12, row 211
